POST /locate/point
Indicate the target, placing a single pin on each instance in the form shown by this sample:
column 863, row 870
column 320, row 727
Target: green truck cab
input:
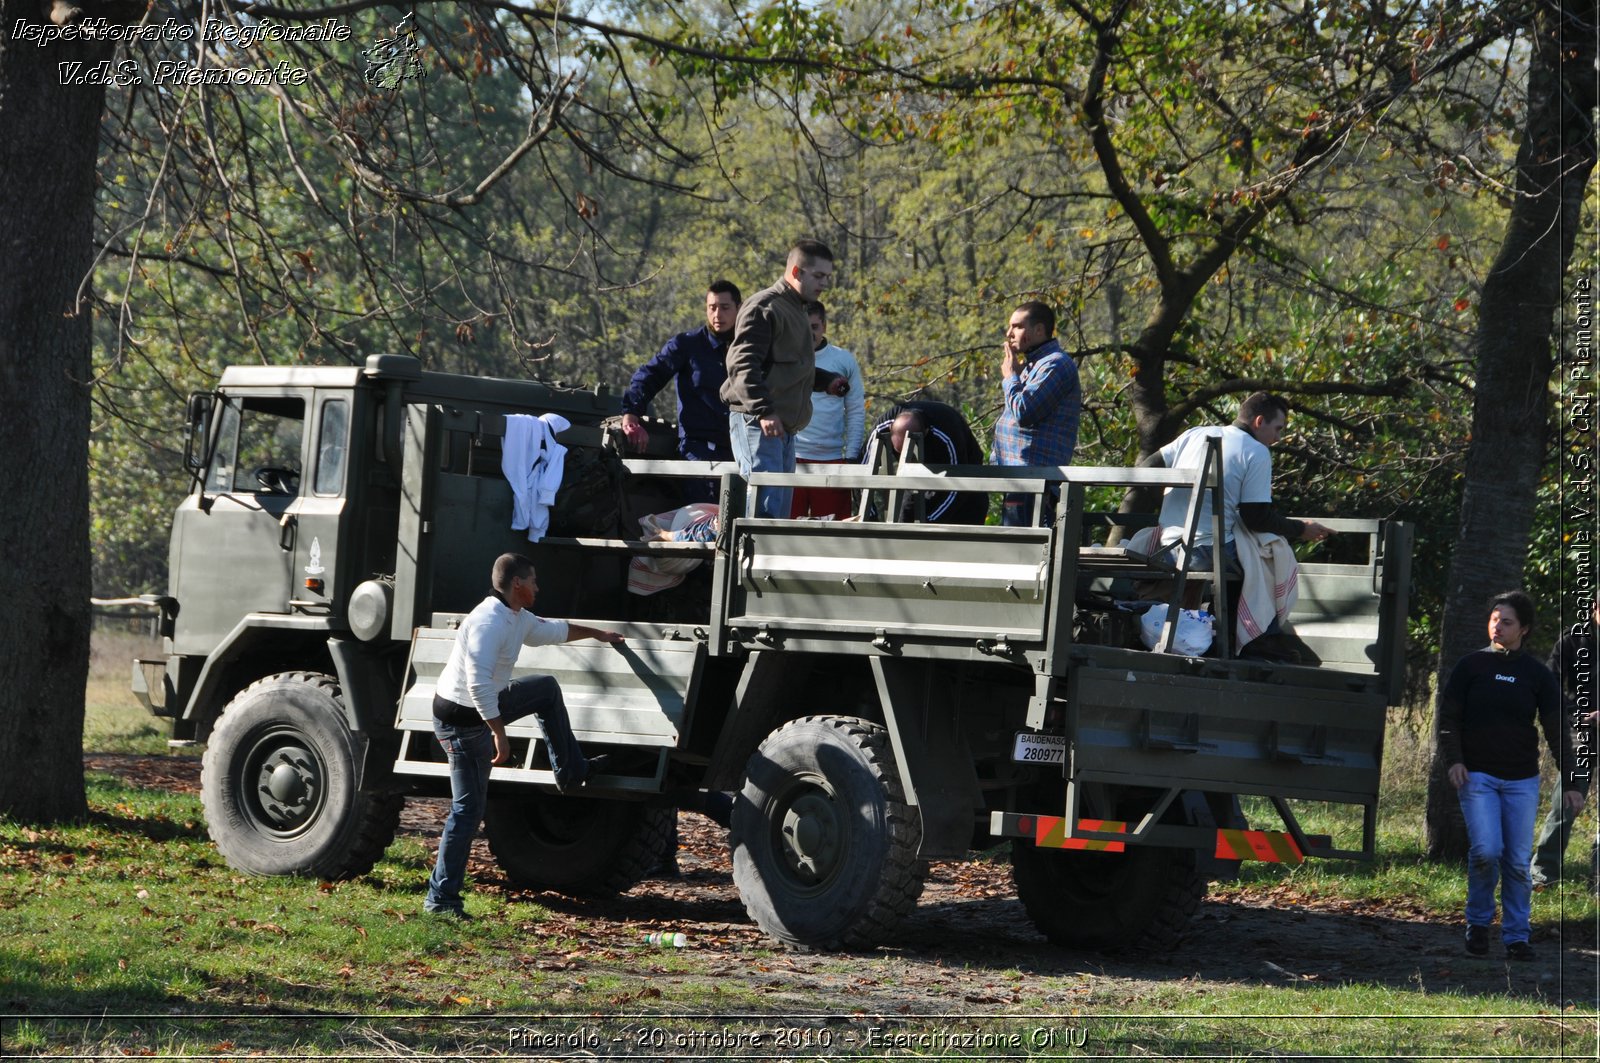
column 878, row 694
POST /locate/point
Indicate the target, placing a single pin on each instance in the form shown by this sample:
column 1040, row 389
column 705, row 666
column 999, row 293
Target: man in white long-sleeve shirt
column 476, row 697
column 838, row 421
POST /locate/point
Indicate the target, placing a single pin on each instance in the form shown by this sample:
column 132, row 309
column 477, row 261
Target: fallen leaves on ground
column 966, row 929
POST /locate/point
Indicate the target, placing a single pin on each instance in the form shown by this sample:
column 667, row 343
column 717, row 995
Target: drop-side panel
column 1194, row 732
column 638, row 693
column 907, row 580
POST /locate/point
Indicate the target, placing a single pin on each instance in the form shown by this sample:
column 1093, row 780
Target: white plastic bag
column 1196, row 628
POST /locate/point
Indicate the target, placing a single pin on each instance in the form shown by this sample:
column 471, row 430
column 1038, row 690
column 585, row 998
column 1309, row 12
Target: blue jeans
column 1202, row 556
column 470, row 750
column 759, row 453
column 1499, row 817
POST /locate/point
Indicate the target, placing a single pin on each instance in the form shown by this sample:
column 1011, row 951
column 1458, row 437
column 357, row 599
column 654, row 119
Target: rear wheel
column 278, row 782
column 581, row 846
column 1143, row 898
column 824, row 845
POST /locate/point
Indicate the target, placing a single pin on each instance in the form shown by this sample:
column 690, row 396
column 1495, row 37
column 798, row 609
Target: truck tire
column 278, row 782
column 1143, row 898
column 824, row 845
column 578, row 846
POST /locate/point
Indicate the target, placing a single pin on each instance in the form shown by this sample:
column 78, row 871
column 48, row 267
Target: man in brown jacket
column 771, row 371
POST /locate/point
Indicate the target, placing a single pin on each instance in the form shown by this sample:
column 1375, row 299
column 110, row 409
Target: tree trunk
column 49, row 136
column 1510, row 410
column 1147, row 393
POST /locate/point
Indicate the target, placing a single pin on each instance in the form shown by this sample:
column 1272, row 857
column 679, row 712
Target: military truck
column 878, row 694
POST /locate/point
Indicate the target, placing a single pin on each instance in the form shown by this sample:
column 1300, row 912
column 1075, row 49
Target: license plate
column 1033, row 748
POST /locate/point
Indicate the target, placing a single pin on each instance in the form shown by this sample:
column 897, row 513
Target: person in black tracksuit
column 947, row 440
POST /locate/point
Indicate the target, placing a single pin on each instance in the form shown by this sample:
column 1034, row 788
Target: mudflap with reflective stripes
column 1269, row 846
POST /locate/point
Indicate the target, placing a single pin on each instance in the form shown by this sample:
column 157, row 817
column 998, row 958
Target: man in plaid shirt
column 1039, row 385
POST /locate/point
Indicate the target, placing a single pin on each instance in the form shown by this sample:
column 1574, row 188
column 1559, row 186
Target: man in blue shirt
column 1038, row 423
column 697, row 361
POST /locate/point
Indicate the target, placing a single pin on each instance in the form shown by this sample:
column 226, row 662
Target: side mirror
column 197, row 419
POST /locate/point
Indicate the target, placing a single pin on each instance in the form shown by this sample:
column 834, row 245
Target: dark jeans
column 1016, row 510
column 703, row 450
column 1551, row 845
column 715, row 805
column 470, row 749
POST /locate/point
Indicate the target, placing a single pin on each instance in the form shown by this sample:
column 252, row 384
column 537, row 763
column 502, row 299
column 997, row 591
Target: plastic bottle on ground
column 665, row 940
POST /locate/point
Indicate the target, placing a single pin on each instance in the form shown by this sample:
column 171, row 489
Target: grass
column 128, row 935
column 114, row 721
column 134, row 914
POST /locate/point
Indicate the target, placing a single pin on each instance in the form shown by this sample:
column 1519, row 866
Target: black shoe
column 1520, row 950
column 595, row 765
column 1478, row 940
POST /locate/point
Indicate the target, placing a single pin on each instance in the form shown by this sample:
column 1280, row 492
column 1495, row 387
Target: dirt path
column 969, row 946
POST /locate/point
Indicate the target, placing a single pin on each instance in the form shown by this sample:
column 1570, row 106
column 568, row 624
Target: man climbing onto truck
column 475, row 699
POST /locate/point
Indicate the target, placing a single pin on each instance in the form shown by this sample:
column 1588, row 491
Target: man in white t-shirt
column 838, row 421
column 1246, row 480
column 476, row 697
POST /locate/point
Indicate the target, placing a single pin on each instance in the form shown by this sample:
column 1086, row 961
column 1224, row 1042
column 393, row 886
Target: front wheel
column 824, row 845
column 278, row 782
column 1143, row 898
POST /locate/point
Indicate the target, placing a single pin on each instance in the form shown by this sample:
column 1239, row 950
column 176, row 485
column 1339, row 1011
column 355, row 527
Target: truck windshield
column 259, row 444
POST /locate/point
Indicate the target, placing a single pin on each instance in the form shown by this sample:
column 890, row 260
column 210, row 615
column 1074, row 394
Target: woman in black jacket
column 1487, row 738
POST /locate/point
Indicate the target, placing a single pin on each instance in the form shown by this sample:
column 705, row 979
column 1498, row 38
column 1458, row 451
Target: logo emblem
column 314, row 562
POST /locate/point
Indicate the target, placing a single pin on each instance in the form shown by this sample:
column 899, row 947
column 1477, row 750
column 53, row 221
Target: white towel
column 1271, row 582
column 533, row 463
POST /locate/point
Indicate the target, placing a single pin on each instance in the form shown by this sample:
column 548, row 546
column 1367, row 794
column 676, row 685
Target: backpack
column 590, row 499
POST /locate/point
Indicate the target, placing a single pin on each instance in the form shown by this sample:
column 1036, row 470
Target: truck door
column 232, row 554
column 312, row 523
